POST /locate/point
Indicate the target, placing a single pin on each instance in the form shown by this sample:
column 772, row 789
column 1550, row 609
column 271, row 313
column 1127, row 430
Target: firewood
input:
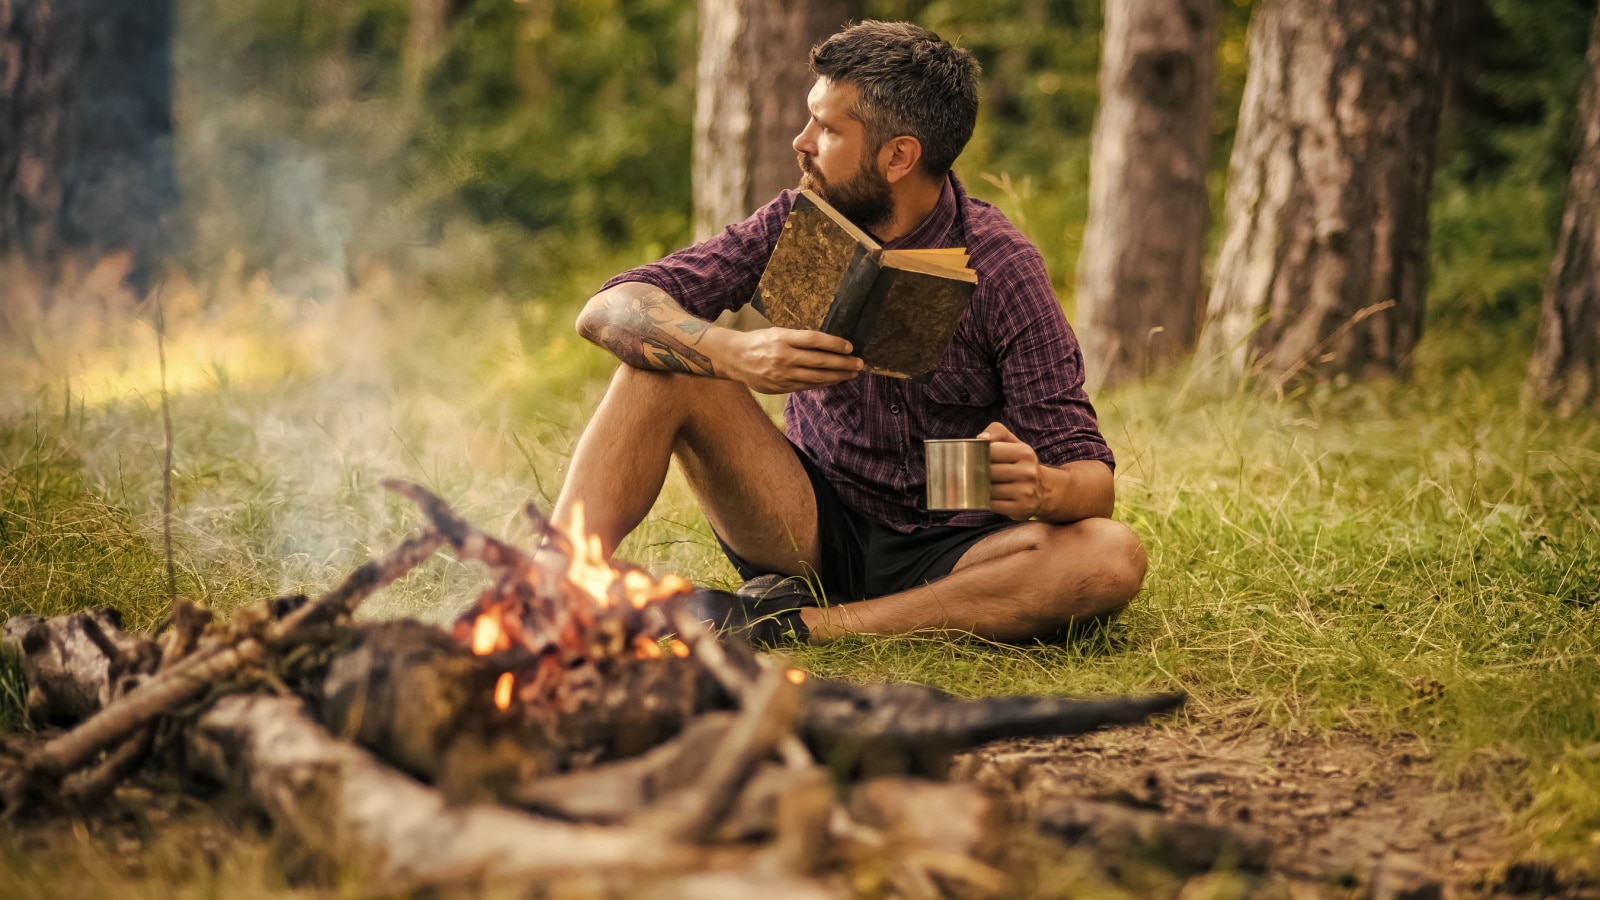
column 191, row 677
column 337, row 799
column 768, row 714
column 735, row 667
column 611, row 792
column 85, row 789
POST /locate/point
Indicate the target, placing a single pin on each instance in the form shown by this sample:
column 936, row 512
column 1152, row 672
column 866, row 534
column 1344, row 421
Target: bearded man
column 836, row 499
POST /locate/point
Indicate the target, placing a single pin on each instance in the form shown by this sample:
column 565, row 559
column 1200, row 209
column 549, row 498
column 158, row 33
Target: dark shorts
column 862, row 558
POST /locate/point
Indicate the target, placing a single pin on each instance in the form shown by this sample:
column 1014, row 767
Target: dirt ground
column 1331, row 806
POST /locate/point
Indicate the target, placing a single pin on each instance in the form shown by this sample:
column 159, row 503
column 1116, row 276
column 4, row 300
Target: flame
column 679, row 648
column 488, row 636
column 796, row 676
column 589, row 569
column 502, row 691
column 642, row 590
column 645, row 648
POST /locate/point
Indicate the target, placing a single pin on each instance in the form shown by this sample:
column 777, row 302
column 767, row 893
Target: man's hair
column 911, row 82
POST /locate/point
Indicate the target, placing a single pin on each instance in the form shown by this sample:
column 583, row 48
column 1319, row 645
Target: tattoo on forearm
column 646, row 330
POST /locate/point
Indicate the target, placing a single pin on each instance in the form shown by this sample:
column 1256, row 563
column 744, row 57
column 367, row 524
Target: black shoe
column 766, row 611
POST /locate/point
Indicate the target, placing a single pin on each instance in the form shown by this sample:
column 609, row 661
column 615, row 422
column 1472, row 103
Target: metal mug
column 958, row 473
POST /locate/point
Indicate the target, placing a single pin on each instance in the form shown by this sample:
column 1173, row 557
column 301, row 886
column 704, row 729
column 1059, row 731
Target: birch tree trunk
column 85, row 129
column 750, row 100
column 1139, row 273
column 1565, row 369
column 1323, row 270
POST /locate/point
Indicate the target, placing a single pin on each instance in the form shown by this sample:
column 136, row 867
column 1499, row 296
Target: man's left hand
column 1017, row 487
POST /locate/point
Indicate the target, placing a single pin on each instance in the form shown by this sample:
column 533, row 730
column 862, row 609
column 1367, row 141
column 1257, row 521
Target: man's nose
column 804, row 142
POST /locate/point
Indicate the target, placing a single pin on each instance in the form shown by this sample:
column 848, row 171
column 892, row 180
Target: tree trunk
column 1324, row 267
column 1139, row 273
column 85, row 130
column 751, row 100
column 1565, row 369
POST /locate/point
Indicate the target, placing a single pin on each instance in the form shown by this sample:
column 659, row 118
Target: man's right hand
column 782, row 360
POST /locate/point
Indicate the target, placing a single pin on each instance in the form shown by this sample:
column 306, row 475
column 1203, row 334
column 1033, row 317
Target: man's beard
column 865, row 199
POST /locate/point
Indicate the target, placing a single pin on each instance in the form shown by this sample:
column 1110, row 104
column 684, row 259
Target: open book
column 898, row 308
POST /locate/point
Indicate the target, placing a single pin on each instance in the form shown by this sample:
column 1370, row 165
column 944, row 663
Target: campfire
column 575, row 720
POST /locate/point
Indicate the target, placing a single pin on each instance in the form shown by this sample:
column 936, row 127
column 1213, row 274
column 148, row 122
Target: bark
column 750, row 101
column 1565, row 369
column 1323, row 270
column 343, row 804
column 1139, row 273
column 86, row 130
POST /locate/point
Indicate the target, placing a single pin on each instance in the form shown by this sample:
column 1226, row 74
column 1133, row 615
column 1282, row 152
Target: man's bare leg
column 744, row 472
column 1013, row 585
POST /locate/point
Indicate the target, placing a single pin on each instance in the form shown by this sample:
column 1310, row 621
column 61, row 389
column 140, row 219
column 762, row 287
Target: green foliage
column 1504, row 158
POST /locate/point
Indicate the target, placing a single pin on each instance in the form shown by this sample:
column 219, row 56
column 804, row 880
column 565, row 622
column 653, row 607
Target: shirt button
column 966, row 396
column 894, row 409
column 902, row 467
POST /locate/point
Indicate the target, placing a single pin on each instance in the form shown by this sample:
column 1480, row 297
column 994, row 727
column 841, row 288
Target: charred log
column 896, row 729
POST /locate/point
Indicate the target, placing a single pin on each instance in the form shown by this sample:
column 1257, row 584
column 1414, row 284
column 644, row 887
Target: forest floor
column 1381, row 599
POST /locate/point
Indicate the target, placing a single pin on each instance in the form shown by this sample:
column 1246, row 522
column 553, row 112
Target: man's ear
column 899, row 157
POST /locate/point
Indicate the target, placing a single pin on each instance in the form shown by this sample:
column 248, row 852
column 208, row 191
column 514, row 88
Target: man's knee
column 1109, row 559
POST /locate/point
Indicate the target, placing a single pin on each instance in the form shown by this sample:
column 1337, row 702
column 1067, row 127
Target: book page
column 941, row 263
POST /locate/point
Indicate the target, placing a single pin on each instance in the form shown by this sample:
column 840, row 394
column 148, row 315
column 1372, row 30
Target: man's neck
column 913, row 202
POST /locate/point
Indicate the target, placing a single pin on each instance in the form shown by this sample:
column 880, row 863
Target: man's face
column 835, row 160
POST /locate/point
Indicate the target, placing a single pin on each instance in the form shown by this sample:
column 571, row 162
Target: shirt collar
column 933, row 231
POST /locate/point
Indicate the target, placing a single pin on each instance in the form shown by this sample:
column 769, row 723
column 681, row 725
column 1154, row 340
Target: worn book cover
column 898, row 308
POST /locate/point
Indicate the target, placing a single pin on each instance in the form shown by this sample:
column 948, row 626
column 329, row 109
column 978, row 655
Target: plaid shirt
column 1014, row 360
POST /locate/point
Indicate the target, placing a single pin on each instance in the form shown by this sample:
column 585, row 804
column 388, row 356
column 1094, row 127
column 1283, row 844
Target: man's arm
column 1023, row 488
column 644, row 327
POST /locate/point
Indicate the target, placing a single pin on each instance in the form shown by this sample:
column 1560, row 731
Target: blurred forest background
column 543, row 145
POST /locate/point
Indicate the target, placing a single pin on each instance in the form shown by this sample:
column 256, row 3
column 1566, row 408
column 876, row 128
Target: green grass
column 1397, row 559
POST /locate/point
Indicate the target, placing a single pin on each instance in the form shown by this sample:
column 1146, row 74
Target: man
column 838, row 499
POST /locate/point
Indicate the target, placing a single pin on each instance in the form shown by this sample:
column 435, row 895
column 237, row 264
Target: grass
column 1413, row 559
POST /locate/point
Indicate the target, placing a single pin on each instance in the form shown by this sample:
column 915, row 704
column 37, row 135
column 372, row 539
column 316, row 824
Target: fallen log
column 343, row 803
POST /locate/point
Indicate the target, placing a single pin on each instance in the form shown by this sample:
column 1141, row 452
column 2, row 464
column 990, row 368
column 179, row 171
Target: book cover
column 898, row 308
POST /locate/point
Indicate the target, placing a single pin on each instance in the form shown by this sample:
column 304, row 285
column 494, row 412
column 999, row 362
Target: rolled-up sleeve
column 721, row 272
column 1041, row 366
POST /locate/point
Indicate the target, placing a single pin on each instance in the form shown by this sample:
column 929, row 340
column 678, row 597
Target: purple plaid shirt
column 1014, row 360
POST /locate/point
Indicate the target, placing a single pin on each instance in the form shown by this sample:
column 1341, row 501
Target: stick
column 466, row 539
column 769, row 713
column 166, row 427
column 704, row 647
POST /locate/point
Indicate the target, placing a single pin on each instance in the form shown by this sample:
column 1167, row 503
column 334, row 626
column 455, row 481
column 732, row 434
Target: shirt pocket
column 961, row 394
